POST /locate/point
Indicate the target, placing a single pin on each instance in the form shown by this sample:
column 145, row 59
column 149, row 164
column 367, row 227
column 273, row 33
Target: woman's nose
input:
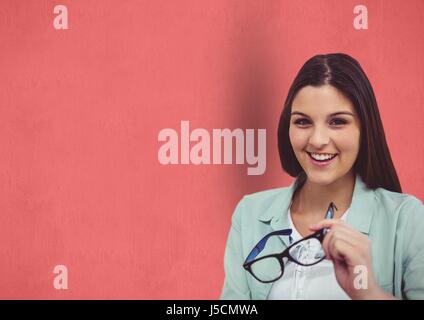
column 319, row 138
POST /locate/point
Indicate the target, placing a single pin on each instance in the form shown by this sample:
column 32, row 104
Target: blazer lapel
column 362, row 207
column 277, row 214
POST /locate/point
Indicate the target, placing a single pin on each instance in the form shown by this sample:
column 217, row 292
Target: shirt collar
column 360, row 214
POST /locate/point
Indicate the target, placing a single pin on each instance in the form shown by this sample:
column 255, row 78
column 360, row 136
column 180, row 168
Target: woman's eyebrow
column 331, row 115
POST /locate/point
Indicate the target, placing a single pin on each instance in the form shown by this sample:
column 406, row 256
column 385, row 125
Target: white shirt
column 317, row 282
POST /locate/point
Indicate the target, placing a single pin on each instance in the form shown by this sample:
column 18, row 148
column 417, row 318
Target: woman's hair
column 374, row 163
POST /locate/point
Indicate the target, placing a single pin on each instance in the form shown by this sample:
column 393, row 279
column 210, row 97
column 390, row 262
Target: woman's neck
column 313, row 199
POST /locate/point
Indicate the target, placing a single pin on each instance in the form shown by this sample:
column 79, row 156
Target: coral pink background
column 81, row 109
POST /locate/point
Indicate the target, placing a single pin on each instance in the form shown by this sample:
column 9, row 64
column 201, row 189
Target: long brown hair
column 374, row 163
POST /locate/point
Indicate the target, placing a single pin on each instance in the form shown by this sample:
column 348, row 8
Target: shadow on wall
column 256, row 86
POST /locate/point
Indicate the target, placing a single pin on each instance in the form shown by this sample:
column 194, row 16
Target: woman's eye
column 302, row 122
column 338, row 122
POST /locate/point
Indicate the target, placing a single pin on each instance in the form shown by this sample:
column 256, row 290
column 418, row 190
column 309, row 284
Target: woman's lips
column 321, row 163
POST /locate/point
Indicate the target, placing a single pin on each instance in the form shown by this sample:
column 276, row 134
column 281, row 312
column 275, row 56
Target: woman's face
column 324, row 133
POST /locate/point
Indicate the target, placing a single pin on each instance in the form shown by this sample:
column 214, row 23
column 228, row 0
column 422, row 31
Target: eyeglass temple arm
column 329, row 214
column 330, row 211
column 261, row 244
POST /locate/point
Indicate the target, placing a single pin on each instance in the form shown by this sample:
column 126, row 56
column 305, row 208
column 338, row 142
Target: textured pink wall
column 81, row 109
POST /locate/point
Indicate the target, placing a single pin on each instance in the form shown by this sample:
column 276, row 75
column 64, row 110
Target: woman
column 331, row 138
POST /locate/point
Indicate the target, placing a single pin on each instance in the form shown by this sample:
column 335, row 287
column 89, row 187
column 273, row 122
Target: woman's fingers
column 345, row 234
column 337, row 224
column 343, row 242
column 326, row 223
column 340, row 249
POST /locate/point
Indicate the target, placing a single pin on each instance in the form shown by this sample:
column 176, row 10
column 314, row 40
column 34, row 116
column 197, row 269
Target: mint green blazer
column 394, row 222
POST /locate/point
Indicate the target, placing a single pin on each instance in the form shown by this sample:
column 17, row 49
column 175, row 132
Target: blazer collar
column 360, row 215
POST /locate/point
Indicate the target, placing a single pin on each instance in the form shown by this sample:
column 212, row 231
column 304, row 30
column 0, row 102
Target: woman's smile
column 321, row 159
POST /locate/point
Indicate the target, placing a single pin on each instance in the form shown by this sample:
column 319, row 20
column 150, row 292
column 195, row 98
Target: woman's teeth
column 322, row 156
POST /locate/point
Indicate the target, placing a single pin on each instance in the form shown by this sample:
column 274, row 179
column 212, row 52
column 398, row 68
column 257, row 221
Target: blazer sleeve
column 413, row 265
column 235, row 283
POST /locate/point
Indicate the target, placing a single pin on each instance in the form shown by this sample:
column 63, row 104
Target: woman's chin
column 322, row 178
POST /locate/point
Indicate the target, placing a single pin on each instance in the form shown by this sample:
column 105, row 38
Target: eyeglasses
column 305, row 252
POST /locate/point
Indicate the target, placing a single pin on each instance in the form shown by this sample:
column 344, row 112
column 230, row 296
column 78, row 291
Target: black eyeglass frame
column 285, row 254
column 247, row 265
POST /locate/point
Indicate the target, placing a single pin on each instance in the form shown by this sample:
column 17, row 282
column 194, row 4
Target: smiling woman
column 331, row 139
column 324, row 133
